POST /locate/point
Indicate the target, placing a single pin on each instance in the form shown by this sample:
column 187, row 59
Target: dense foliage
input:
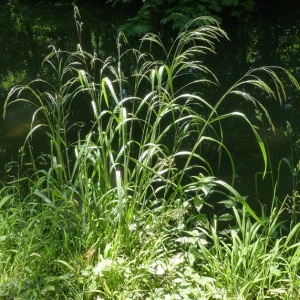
column 153, row 14
column 118, row 213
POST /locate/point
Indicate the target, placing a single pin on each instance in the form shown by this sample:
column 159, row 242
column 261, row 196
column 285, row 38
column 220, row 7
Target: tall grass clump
column 117, row 212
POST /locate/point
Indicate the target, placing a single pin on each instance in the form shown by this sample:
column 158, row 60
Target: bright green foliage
column 118, row 214
column 179, row 12
column 250, row 261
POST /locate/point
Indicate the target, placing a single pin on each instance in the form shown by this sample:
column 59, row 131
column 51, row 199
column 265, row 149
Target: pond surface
column 270, row 37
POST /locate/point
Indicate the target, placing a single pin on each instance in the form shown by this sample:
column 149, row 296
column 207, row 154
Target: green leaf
column 198, row 202
column 225, row 217
column 47, row 288
column 240, row 199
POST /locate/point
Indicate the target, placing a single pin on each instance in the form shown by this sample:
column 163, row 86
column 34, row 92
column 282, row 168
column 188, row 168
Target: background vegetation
column 153, row 14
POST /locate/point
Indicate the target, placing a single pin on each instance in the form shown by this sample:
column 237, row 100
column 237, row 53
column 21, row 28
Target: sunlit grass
column 251, row 261
column 118, row 213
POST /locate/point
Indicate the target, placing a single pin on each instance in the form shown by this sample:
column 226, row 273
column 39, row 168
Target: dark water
column 269, row 37
column 26, row 35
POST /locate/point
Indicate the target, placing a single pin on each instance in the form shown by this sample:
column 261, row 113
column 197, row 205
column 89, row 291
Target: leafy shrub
column 178, row 13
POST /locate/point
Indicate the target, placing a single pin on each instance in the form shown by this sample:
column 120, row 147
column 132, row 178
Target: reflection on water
column 16, row 124
column 13, row 131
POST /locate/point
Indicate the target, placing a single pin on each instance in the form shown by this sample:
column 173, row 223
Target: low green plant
column 251, row 261
column 117, row 213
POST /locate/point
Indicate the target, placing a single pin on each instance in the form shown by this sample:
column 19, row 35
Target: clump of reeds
column 117, row 213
